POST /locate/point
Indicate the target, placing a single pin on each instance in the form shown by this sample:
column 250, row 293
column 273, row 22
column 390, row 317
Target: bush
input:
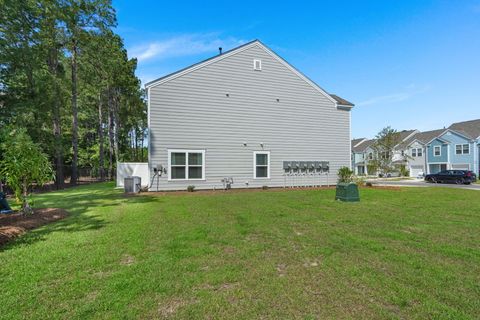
column 404, row 172
column 191, row 188
column 265, row 187
column 368, row 184
column 345, row 175
column 359, row 181
column 23, row 164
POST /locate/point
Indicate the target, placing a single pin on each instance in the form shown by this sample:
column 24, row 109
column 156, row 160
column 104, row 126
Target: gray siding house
column 242, row 115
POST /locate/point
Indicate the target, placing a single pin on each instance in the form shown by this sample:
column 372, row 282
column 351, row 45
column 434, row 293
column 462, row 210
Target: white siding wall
column 416, row 162
column 128, row 169
column 193, row 112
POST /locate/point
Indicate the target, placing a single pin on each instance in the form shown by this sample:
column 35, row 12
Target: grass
column 398, row 254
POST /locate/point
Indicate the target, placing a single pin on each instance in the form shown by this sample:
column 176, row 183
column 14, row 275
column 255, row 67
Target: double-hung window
column 186, row 164
column 437, row 151
column 261, row 164
column 462, row 149
column 417, row 152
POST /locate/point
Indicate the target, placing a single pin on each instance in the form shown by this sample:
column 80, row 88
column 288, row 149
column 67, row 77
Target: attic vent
column 257, row 64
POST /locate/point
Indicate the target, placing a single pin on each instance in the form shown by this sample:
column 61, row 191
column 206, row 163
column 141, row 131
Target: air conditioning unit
column 132, row 184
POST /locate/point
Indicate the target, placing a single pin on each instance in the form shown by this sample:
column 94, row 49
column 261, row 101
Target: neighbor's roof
column 468, row 128
column 363, row 146
column 339, row 101
column 405, row 137
column 405, row 133
column 427, row 136
column 357, row 141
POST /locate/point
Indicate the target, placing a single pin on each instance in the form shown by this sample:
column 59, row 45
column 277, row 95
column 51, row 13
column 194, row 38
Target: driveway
column 423, row 184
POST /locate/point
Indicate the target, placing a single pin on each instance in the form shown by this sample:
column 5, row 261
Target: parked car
column 452, row 176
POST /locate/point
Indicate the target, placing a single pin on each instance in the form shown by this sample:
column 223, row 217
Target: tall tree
column 384, row 147
column 66, row 77
column 52, row 42
column 81, row 17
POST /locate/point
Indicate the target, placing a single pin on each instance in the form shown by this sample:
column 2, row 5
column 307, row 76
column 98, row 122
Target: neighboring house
column 361, row 150
column 415, row 149
column 457, row 147
column 452, row 150
column 240, row 115
column 356, row 157
column 400, row 151
column 471, row 129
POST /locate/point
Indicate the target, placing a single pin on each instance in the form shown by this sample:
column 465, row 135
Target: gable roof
column 341, row 101
column 405, row 134
column 469, row 128
column 363, row 146
column 355, row 142
column 458, row 132
column 241, row 48
column 425, row 137
column 405, row 137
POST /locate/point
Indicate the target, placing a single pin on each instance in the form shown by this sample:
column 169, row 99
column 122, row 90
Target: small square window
column 257, row 65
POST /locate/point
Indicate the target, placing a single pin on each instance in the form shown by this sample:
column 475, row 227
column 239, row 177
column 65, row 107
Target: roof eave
column 344, row 107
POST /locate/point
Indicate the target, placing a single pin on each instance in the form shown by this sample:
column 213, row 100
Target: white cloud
column 410, row 91
column 182, row 45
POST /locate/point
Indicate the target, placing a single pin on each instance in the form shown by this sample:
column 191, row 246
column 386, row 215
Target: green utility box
column 347, row 192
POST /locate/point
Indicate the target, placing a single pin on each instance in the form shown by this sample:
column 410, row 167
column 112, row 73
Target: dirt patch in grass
column 169, row 308
column 14, row 225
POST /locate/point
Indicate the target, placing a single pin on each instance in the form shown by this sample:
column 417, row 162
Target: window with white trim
column 462, row 149
column 417, row 152
column 437, row 151
column 261, row 164
column 186, row 164
column 257, row 65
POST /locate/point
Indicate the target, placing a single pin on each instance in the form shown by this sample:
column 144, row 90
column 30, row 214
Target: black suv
column 452, row 176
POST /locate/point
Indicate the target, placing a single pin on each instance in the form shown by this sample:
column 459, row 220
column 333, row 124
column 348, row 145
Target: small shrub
column 345, row 175
column 404, row 172
column 265, row 187
column 368, row 184
column 191, row 188
column 23, row 165
column 359, row 181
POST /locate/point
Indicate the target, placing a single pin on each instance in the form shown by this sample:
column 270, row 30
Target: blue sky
column 407, row 64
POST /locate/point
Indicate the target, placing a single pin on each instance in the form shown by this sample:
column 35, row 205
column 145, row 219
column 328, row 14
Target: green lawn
column 399, row 254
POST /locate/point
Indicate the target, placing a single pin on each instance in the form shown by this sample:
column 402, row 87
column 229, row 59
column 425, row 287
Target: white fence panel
column 126, row 169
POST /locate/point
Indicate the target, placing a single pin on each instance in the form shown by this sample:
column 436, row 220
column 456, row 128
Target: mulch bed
column 16, row 224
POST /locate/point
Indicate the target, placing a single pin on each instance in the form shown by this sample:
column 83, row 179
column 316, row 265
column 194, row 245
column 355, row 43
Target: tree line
column 66, row 79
